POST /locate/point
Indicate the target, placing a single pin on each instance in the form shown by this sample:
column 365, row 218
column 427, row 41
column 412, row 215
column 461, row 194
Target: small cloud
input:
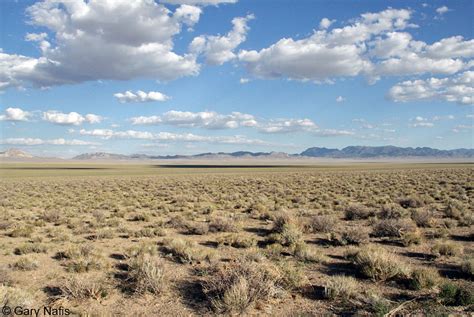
column 15, row 114
column 420, row 122
column 244, row 80
column 140, row 96
column 442, row 10
column 71, row 118
column 340, row 99
column 325, row 23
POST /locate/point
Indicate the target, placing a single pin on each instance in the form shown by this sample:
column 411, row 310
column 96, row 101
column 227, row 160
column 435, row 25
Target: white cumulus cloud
column 288, row 125
column 220, row 49
column 71, row 118
column 171, row 137
column 15, row 114
column 203, row 119
column 91, row 40
column 37, row 141
column 199, row 2
column 459, row 89
column 140, row 96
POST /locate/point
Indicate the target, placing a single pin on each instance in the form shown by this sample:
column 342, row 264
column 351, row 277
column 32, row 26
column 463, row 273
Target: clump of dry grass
column 235, row 287
column 221, row 224
column 409, row 238
column 289, row 236
column 411, row 202
column 22, row 230
column 27, row 248
column 25, row 264
column 393, row 227
column 423, row 217
column 84, row 287
column 306, row 254
column 392, row 211
column 238, row 240
column 323, row 224
column 379, row 264
column 82, row 258
column 198, row 228
column 447, row 248
column 422, row 278
column 358, row 211
column 15, row 297
column 292, row 276
column 146, row 274
column 467, row 266
column 341, row 287
column 355, row 236
column 183, row 251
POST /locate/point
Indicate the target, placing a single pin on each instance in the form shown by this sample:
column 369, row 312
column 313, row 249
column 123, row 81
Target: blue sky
column 192, row 76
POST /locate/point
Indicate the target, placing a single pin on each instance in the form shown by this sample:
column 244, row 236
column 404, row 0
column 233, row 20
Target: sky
column 192, row 76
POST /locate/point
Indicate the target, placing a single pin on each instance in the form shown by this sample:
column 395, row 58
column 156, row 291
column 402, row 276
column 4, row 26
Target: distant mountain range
column 385, row 151
column 15, row 153
column 353, row 152
column 350, row 152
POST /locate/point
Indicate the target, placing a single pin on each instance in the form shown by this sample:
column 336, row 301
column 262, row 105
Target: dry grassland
column 274, row 242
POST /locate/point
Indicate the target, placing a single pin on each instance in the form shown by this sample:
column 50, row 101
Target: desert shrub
column 377, row 305
column 150, row 232
column 291, row 276
column 198, row 228
column 467, row 266
column 392, row 211
column 466, row 220
column 22, row 230
column 358, row 211
column 457, row 295
column 177, row 222
column 237, row 240
column 5, row 277
column 140, row 250
column 322, row 223
column 355, row 236
column 52, row 216
column 289, row 236
column 304, row 253
column 341, row 287
column 411, row 202
column 393, row 227
column 99, row 215
column 140, row 216
column 409, row 238
column 81, row 287
column 183, row 251
column 27, row 248
column 81, row 259
column 379, row 264
column 221, row 224
column 454, row 209
column 422, row 278
column 235, row 287
column 273, row 251
column 423, row 218
column 15, row 297
column 283, row 219
column 146, row 274
column 25, row 264
column 446, row 248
